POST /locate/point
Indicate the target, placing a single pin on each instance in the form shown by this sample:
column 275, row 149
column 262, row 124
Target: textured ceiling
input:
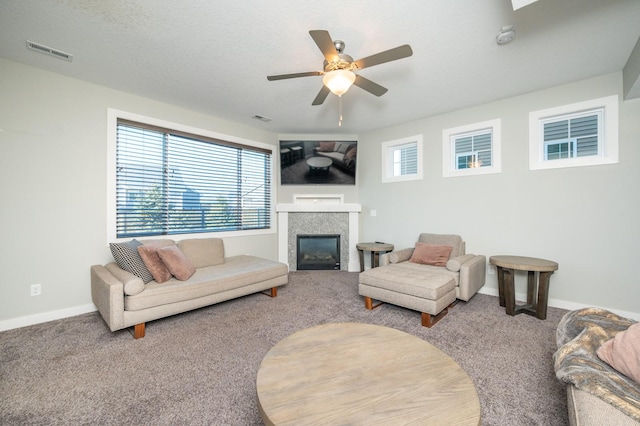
column 214, row 56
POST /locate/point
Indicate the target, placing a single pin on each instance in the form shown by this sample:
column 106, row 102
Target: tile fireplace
column 319, row 215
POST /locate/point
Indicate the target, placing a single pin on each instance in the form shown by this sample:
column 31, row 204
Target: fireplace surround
column 319, row 214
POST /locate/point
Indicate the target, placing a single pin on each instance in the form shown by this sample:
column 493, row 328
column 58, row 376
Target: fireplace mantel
column 353, row 210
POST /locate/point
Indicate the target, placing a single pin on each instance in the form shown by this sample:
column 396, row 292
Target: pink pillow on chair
column 431, row 254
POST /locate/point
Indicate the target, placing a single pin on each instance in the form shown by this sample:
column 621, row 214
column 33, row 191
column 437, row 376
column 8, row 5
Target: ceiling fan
column 339, row 69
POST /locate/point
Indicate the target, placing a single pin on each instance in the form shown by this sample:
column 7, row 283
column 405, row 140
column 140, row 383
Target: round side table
column 376, row 249
column 506, row 265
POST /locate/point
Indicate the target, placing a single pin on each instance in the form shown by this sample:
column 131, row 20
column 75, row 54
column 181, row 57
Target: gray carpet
column 200, row 367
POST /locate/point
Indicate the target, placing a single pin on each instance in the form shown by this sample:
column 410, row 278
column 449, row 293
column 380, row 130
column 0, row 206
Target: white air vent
column 262, row 118
column 49, row 51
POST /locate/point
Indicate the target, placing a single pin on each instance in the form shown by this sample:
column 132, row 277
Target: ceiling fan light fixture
column 339, row 81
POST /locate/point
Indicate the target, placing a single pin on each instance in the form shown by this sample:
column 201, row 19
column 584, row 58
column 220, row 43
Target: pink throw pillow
column 154, row 264
column 176, row 262
column 431, row 254
column 623, row 352
column 326, row 146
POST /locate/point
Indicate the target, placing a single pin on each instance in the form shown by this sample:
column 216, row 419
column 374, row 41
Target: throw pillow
column 157, row 268
column 430, row 254
column 623, row 352
column 326, row 146
column 127, row 257
column 176, row 262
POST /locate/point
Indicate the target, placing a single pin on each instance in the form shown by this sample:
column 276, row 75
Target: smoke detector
column 506, row 35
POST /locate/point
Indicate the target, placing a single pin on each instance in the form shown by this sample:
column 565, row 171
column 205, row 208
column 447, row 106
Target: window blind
column 474, row 144
column 405, row 159
column 170, row 182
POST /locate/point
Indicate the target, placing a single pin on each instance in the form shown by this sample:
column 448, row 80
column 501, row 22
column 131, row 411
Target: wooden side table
column 375, row 249
column 506, row 265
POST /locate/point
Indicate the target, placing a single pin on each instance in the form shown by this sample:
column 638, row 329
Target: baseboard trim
column 46, row 317
column 563, row 304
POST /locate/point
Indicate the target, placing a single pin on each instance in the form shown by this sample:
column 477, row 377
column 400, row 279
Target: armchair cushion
column 455, row 241
column 431, row 254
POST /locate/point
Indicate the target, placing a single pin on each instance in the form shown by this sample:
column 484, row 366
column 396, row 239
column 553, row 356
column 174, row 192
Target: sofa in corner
column 597, row 359
column 342, row 154
column 175, row 278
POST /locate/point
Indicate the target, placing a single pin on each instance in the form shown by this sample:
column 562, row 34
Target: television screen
column 304, row 162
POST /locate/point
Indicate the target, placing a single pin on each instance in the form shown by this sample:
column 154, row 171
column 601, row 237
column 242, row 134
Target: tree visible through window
column 168, row 182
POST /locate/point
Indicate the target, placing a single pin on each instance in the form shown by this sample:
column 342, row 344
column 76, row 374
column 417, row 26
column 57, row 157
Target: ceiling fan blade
column 322, row 95
column 369, row 86
column 324, row 42
column 295, row 75
column 386, row 56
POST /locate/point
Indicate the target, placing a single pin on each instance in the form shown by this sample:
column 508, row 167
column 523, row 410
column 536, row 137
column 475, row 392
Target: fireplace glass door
column 317, row 252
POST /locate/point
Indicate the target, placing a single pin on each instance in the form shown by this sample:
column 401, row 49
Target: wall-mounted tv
column 314, row 162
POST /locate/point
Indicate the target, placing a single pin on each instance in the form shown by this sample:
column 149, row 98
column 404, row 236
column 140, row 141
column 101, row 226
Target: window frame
column 450, row 158
column 388, row 163
column 113, row 115
column 607, row 133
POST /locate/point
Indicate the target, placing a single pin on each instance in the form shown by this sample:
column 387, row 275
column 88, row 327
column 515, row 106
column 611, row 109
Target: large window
column 580, row 134
column 471, row 149
column 174, row 182
column 402, row 159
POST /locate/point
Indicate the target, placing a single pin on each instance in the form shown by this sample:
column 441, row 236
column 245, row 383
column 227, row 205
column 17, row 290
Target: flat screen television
column 315, row 162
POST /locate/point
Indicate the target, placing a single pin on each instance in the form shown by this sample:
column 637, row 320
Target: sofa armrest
column 107, row 293
column 472, row 276
column 396, row 256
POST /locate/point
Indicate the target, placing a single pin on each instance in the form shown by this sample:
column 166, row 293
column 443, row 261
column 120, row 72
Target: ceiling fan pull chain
column 340, row 110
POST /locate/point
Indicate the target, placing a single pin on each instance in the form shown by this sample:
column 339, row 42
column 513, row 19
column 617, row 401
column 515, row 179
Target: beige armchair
column 427, row 288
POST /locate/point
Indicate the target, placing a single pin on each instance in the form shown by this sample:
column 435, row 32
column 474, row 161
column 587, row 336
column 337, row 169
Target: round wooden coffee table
column 319, row 164
column 361, row 374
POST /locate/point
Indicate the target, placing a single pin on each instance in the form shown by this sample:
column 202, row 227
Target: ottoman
column 428, row 293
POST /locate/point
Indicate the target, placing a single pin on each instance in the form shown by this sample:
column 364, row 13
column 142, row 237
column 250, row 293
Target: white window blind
column 405, row 159
column 169, row 182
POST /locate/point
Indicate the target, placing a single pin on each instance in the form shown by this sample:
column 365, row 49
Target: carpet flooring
column 199, row 368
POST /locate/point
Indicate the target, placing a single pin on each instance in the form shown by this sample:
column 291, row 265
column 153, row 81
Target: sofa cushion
column 176, row 262
column 203, row 252
column 235, row 273
column 326, row 146
column 127, row 257
column 155, row 265
column 131, row 284
column 623, row 352
column 430, row 254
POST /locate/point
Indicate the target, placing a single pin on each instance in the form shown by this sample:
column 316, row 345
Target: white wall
column 53, row 145
column 585, row 218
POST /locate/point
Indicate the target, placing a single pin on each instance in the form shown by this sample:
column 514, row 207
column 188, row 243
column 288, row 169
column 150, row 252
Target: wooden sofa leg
column 138, row 331
column 274, row 291
column 429, row 321
column 368, row 303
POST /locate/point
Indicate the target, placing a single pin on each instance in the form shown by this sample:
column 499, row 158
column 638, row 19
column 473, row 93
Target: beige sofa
column 590, row 380
column 421, row 287
column 342, row 154
column 124, row 300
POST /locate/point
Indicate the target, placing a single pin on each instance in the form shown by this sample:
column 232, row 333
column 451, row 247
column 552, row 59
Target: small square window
column 471, row 149
column 402, row 159
column 581, row 134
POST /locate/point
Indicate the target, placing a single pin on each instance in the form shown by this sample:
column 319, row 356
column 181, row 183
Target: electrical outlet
column 492, row 269
column 36, row 289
